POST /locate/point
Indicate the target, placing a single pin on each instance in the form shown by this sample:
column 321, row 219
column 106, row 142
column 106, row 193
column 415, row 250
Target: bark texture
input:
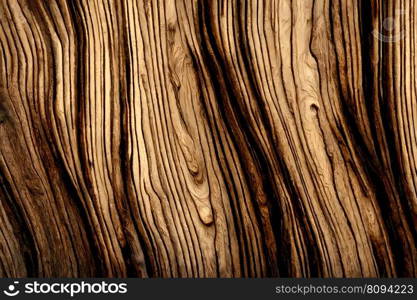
column 200, row 138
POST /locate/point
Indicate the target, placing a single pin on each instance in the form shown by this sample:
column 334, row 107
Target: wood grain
column 178, row 138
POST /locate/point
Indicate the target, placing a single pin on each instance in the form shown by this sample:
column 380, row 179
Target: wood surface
column 208, row 138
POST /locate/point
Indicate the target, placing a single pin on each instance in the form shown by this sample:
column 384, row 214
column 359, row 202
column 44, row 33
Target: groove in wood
column 200, row 138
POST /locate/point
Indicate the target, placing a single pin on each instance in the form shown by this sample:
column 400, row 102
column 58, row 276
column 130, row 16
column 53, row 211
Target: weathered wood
column 208, row 138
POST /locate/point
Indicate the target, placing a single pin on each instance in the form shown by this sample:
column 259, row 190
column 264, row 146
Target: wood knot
column 314, row 108
column 206, row 215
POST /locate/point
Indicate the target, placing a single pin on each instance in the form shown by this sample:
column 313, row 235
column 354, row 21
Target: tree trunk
column 208, row 138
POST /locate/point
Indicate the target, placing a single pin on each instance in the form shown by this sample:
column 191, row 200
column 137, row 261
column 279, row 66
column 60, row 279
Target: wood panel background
column 198, row 138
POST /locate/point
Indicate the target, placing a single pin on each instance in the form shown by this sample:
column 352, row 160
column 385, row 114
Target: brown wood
column 199, row 138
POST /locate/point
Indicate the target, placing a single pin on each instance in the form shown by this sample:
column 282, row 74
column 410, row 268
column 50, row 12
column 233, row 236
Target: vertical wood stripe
column 197, row 138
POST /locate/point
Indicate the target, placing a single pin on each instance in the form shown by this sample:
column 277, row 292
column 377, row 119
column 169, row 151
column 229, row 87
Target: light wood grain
column 208, row 138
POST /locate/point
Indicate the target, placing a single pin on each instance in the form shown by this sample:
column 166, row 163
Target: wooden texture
column 200, row 138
